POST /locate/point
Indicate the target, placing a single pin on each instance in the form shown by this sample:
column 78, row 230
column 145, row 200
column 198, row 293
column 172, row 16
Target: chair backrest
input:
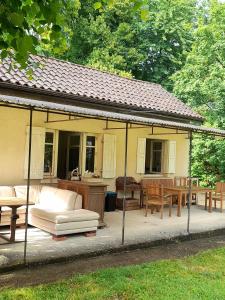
column 166, row 182
column 154, row 190
column 180, row 181
column 220, row 187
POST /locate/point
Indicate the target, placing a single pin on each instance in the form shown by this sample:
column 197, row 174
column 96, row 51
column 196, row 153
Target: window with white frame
column 90, row 153
column 153, row 156
column 49, row 153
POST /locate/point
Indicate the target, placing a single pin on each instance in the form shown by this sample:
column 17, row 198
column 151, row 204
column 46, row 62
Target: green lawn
column 196, row 277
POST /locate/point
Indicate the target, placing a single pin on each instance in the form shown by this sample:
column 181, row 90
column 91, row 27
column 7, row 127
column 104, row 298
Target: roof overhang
column 105, row 115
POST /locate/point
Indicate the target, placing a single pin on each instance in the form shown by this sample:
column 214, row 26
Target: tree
column 201, row 83
column 27, row 24
column 166, row 39
column 118, row 40
column 32, row 26
column 106, row 39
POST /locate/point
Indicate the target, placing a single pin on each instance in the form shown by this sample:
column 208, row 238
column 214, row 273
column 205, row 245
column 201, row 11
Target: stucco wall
column 13, row 123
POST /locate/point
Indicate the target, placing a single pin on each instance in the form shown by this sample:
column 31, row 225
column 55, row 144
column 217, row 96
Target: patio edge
column 112, row 250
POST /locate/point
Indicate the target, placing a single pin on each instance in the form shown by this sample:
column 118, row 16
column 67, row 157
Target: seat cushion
column 7, row 191
column 57, row 199
column 78, row 215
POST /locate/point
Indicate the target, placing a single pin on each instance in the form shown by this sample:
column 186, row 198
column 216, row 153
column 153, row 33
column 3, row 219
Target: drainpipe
column 28, row 185
column 190, row 182
column 125, row 183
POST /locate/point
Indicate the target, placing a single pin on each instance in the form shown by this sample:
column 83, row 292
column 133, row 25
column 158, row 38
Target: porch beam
column 65, row 113
column 28, row 185
column 168, row 133
column 65, row 120
column 125, row 184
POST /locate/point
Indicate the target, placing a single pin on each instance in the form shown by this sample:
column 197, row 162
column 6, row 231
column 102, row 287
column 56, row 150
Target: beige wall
column 13, row 123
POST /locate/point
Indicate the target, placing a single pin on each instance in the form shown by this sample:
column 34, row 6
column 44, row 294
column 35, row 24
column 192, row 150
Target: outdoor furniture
column 145, row 182
column 132, row 186
column 184, row 181
column 157, row 199
column 18, row 192
column 93, row 195
column 184, row 190
column 218, row 195
column 13, row 203
column 60, row 212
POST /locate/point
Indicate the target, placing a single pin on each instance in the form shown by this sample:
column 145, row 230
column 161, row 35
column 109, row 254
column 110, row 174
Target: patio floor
column 138, row 229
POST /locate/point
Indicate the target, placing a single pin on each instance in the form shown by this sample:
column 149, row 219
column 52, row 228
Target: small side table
column 13, row 203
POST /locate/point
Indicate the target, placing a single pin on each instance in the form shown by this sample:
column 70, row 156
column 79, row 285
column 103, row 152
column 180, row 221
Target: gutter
column 64, row 98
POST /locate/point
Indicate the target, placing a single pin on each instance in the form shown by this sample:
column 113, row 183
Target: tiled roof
column 54, row 75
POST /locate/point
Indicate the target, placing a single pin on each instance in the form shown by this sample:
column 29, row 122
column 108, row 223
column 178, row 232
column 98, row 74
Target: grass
column 195, row 277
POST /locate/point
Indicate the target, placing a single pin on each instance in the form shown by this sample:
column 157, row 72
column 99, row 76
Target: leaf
column 144, row 14
column 16, row 19
column 97, row 5
column 25, row 44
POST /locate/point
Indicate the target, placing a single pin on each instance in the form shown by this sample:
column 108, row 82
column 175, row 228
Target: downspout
column 125, row 183
column 28, row 185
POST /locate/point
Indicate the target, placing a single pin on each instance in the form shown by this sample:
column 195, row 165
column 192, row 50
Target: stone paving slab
column 138, row 230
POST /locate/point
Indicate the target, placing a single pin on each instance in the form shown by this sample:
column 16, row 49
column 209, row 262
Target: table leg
column 179, row 204
column 14, row 217
column 210, row 202
column 206, row 198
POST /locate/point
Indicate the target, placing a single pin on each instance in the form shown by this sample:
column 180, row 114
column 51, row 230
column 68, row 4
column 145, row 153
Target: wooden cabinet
column 93, row 195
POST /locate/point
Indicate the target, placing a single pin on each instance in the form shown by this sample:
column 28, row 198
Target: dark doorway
column 68, row 153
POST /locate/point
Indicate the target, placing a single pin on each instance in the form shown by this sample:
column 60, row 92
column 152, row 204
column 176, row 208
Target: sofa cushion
column 7, row 191
column 21, row 192
column 78, row 215
column 8, row 210
column 57, row 199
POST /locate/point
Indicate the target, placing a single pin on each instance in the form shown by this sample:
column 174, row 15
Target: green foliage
column 106, row 39
column 165, row 39
column 32, row 26
column 114, row 37
column 209, row 160
column 196, row 277
column 201, row 83
column 26, row 24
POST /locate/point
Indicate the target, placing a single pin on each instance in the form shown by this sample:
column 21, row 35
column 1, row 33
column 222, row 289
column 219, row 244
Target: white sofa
column 19, row 192
column 56, row 211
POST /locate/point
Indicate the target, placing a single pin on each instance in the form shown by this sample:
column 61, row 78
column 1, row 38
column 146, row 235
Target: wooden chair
column 219, row 194
column 157, row 199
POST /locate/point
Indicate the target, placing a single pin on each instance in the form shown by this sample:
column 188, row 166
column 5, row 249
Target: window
column 73, row 152
column 153, row 156
column 49, row 153
column 90, row 154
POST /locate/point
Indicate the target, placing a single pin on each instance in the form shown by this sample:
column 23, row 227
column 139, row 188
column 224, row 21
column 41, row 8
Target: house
column 70, row 117
column 78, row 122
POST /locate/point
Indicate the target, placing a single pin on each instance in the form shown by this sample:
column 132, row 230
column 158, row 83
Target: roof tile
column 65, row 77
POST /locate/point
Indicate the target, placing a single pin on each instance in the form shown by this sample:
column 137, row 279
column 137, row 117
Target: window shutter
column 37, row 153
column 171, row 156
column 109, row 156
column 141, row 150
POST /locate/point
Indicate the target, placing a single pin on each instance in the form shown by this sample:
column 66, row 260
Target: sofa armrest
column 78, row 202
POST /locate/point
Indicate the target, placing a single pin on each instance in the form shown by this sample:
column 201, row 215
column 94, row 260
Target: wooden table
column 184, row 190
column 13, row 203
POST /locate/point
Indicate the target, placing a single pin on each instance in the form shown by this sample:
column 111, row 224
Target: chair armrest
column 167, row 195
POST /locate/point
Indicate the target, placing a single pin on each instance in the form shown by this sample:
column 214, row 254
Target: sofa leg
column 58, row 237
column 90, row 233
